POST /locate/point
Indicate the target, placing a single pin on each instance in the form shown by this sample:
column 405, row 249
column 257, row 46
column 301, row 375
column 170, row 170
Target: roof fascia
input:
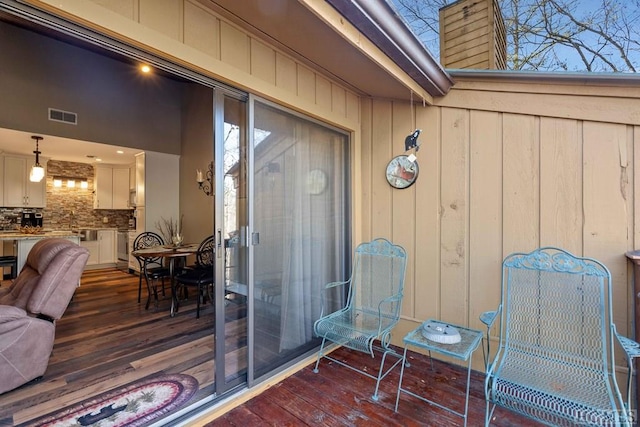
column 378, row 21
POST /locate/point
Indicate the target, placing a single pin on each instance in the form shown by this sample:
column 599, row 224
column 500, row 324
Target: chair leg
column 139, row 286
column 485, row 356
column 380, row 371
column 198, row 297
column 319, row 355
column 151, row 288
column 146, row 307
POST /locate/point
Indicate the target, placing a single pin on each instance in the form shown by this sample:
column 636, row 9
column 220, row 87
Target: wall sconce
column 70, row 182
column 37, row 171
column 206, row 186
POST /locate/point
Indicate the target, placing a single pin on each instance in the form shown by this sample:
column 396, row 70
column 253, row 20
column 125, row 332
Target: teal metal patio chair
column 555, row 358
column 372, row 307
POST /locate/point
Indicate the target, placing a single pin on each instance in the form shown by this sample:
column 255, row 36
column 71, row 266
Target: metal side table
column 469, row 341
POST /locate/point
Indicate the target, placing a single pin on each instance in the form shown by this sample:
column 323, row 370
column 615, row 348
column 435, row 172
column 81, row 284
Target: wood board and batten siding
column 496, row 180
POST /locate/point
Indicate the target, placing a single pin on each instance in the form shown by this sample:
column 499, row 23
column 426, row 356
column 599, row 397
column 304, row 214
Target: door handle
column 219, row 243
column 255, row 238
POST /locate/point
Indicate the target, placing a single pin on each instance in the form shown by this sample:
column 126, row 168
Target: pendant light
column 37, row 171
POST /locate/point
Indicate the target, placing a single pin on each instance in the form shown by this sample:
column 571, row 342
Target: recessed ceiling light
column 120, row 152
column 145, row 68
column 98, row 159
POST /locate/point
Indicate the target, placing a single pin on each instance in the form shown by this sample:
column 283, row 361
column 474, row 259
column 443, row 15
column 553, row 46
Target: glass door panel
column 300, row 215
column 231, row 244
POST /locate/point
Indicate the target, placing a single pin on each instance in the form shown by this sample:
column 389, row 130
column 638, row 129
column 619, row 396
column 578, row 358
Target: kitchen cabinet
column 107, row 246
column 140, row 175
column 103, row 188
column 121, row 188
column 111, row 188
column 103, row 249
column 94, row 252
column 132, row 178
column 18, row 190
column 157, row 189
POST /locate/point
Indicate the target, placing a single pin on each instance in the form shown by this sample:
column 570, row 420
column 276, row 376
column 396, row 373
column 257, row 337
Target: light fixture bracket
column 205, row 182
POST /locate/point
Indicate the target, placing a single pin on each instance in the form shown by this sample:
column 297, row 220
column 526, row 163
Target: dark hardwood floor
column 337, row 396
column 106, row 339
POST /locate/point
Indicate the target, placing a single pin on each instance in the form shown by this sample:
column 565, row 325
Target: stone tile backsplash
column 68, row 207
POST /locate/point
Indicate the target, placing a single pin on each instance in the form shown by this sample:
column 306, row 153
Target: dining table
column 171, row 253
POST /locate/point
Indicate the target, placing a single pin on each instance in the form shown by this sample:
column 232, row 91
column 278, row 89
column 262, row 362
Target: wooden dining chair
column 201, row 274
column 152, row 268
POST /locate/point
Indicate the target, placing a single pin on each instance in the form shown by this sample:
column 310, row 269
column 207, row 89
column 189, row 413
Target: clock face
column 402, row 172
column 316, row 181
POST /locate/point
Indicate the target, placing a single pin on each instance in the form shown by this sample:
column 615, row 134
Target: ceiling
column 70, row 150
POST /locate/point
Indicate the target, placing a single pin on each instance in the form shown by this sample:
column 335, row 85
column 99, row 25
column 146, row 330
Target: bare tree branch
column 551, row 34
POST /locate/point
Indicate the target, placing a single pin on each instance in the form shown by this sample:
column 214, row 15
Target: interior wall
column 115, row 104
column 499, row 178
column 197, row 148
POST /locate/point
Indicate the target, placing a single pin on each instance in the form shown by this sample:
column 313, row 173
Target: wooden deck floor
column 338, row 396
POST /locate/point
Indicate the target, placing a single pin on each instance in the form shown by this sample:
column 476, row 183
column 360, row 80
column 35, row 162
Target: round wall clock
column 402, row 172
column 316, row 181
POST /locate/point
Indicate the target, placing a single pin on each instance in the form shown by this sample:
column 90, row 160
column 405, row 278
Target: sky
column 565, row 59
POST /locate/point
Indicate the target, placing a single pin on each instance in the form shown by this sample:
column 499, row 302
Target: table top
column 167, row 250
column 470, row 339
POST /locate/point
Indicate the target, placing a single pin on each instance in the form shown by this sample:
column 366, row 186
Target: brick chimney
column 472, row 35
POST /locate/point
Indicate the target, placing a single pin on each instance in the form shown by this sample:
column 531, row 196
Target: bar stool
column 9, row 261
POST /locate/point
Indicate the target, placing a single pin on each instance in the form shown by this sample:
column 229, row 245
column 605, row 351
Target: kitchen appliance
column 31, row 218
column 122, row 247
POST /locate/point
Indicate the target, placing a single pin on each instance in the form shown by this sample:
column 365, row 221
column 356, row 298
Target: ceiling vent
column 63, row 116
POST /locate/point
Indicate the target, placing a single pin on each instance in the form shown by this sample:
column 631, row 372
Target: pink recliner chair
column 30, row 307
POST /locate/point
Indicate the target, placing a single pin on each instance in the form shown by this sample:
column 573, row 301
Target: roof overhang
column 363, row 44
column 379, row 22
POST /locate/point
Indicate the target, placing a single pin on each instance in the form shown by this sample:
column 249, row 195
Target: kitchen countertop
column 17, row 235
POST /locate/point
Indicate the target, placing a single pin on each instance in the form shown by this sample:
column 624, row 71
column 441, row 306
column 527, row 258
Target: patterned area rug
column 135, row 404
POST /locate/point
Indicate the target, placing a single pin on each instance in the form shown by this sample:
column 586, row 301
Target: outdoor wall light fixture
column 70, row 182
column 37, row 171
column 205, row 182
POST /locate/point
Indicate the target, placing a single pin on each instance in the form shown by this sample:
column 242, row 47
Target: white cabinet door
column 107, row 246
column 18, row 190
column 94, row 251
column 36, row 193
column 140, row 179
column 121, row 188
column 103, row 187
column 14, row 181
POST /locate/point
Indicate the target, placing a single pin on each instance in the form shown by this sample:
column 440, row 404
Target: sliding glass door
column 300, row 229
column 231, row 225
column 282, row 227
